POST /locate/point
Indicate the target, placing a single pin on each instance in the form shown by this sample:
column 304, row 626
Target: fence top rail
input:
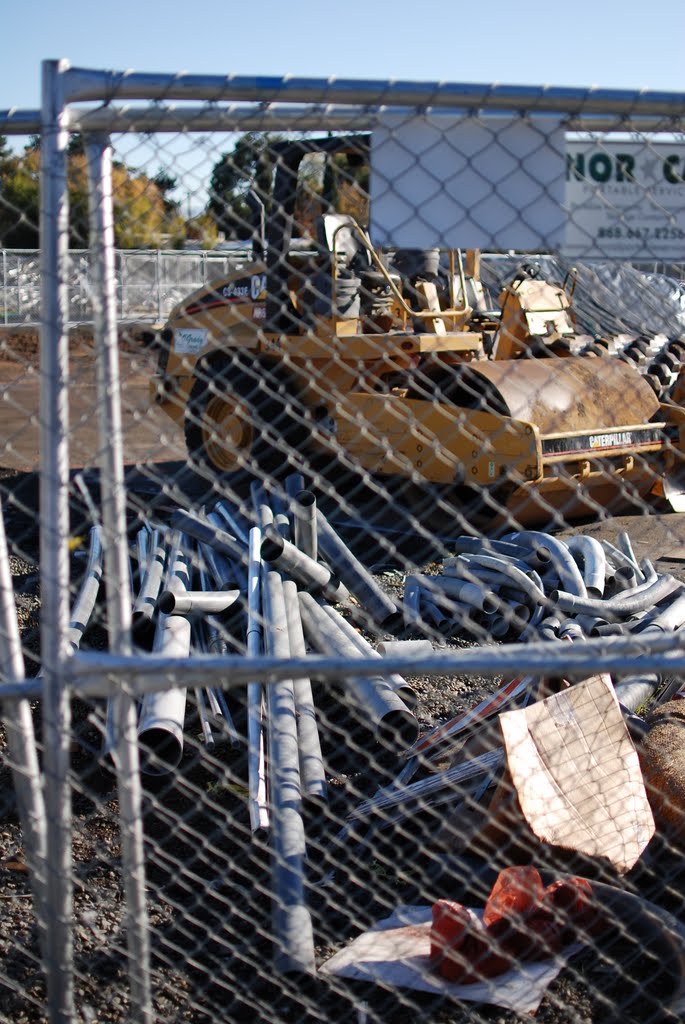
column 82, row 84
column 289, row 103
column 279, row 117
column 97, row 674
column 19, row 122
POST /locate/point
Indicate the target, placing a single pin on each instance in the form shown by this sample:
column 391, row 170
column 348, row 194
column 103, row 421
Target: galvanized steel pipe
column 618, row 607
column 256, row 753
column 375, row 603
column 398, row 682
column 593, row 562
column 292, row 924
column 561, row 557
column 304, row 569
column 305, row 523
column 312, row 768
column 83, row 606
column 145, row 604
column 197, row 602
column 162, row 715
column 385, row 711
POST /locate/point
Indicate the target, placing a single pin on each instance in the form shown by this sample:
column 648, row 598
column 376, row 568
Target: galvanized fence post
column 54, row 536
column 117, row 574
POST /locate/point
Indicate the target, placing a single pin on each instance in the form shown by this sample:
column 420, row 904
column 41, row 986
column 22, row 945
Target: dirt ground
column 206, row 878
column 149, row 436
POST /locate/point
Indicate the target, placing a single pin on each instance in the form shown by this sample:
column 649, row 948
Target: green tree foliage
column 339, row 182
column 250, row 165
column 145, row 214
column 19, row 198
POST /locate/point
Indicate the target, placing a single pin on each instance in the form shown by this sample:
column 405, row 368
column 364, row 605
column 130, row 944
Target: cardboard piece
column 397, row 952
column 577, row 773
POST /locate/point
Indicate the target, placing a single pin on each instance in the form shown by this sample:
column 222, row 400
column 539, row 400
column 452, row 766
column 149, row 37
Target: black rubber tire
column 244, row 414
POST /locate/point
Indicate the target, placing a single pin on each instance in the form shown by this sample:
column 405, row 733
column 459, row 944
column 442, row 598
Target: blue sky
column 606, row 43
column 588, row 42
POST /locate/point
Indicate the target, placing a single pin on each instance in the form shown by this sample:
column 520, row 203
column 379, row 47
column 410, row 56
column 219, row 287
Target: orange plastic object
column 448, row 930
column 522, row 921
column 517, row 890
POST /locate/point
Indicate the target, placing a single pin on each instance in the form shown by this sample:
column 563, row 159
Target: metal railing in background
column 149, row 283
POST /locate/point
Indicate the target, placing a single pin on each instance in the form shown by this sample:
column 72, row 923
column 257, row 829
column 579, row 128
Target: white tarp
column 488, row 182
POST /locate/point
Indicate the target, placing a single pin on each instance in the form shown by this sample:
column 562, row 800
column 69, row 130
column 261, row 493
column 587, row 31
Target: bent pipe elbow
column 473, row 571
column 561, row 558
column 619, row 607
column 594, row 562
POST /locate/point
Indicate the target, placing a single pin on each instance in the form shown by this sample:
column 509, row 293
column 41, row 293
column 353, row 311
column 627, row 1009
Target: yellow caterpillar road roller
column 321, row 347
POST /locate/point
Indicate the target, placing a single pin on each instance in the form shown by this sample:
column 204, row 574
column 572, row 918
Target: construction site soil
column 209, row 912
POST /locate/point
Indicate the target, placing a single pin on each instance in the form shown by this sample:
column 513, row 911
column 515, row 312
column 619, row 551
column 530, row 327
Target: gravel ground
column 208, row 880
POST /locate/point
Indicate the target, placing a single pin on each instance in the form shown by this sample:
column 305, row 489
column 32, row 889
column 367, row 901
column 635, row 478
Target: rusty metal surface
column 575, row 393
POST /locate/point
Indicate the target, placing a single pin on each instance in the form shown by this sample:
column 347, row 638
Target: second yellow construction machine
column 394, row 362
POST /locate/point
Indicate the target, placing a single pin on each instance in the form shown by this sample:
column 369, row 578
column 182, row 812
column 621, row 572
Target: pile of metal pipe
column 171, row 618
column 534, row 586
column 381, row 706
column 162, row 715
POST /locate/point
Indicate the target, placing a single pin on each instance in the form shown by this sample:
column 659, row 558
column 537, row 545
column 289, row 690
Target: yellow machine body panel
column 572, row 394
column 532, row 308
column 413, row 396
column 232, row 307
column 389, row 434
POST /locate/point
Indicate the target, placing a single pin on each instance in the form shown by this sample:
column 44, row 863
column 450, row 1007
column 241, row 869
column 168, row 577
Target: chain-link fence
column 341, row 658
column 149, row 283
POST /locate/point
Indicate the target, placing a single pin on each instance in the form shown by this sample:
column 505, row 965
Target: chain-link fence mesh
column 341, row 615
column 148, row 284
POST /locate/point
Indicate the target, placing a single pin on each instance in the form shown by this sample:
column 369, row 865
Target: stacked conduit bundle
column 289, row 586
column 211, row 582
column 532, row 585
column 529, row 585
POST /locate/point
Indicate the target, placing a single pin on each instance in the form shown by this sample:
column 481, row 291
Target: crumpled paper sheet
column 577, row 773
column 397, row 953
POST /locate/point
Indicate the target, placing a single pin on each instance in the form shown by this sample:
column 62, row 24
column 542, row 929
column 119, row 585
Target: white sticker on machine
column 190, row 340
